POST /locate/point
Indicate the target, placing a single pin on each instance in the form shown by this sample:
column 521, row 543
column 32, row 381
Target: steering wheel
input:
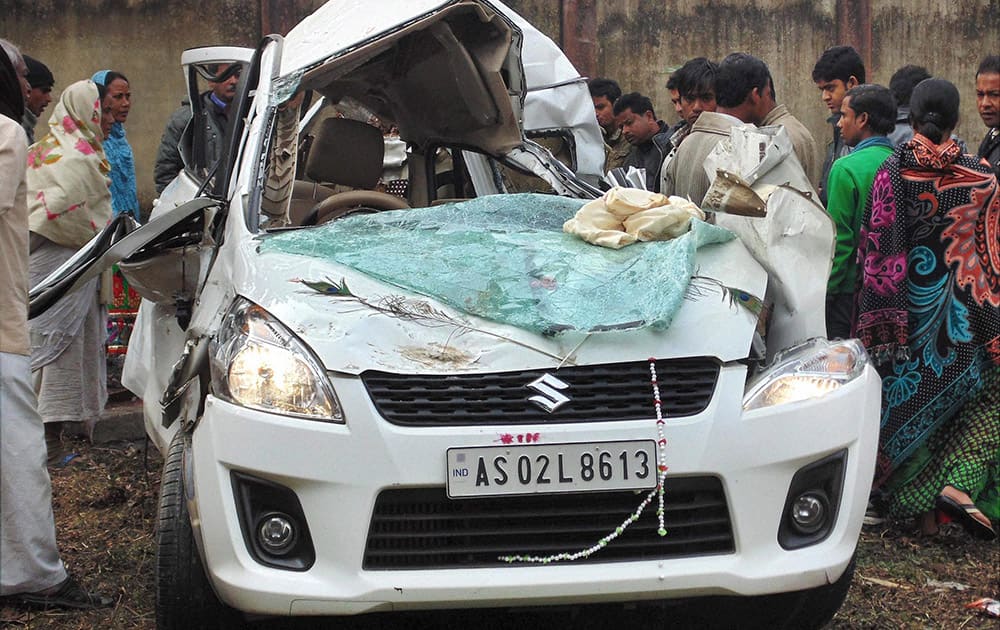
column 342, row 204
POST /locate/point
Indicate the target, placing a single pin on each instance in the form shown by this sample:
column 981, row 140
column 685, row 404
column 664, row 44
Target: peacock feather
column 329, row 287
column 703, row 286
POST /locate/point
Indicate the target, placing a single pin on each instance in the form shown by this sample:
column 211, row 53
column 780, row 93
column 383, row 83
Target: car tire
column 184, row 598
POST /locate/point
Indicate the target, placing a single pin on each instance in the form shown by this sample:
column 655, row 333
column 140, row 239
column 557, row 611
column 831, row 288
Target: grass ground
column 105, row 506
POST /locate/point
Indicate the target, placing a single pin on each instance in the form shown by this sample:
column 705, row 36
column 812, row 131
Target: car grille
column 619, row 391
column 421, row 528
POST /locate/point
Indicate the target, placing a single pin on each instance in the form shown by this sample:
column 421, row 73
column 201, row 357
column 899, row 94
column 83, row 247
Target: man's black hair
column 696, row 78
column 877, row 102
column 989, row 65
column 738, row 75
column 839, row 62
column 608, row 88
column 673, row 81
column 934, row 108
column 904, row 80
column 638, row 103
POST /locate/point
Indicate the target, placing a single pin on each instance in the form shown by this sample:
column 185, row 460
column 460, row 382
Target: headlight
column 809, row 370
column 258, row 363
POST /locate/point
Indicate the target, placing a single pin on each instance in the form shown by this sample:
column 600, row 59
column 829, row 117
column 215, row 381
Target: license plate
column 550, row 468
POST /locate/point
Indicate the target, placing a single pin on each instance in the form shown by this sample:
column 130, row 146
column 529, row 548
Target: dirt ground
column 105, row 506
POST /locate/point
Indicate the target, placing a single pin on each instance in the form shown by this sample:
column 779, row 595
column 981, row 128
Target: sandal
column 964, row 514
column 873, row 516
column 69, row 594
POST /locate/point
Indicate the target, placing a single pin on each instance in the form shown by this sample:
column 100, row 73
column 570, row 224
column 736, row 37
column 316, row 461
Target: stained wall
column 636, row 42
column 142, row 39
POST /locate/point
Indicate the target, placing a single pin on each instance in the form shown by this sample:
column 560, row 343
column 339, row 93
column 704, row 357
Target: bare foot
column 963, row 499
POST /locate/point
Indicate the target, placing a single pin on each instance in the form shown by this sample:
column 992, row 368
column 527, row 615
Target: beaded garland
column 661, row 467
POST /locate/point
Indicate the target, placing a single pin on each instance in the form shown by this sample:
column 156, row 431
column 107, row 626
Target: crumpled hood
column 394, row 330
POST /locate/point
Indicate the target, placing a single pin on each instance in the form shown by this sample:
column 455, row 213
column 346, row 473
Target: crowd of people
column 915, row 273
column 916, row 266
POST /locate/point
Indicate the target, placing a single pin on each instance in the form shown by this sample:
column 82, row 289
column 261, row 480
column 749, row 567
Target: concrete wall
column 639, row 41
column 948, row 38
column 634, row 41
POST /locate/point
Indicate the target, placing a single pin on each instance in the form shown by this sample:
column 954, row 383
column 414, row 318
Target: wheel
column 184, row 597
column 342, row 204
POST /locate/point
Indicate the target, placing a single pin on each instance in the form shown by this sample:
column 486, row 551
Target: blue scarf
column 119, row 153
column 123, row 195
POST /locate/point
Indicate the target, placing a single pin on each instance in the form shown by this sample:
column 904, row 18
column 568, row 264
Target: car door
column 201, row 67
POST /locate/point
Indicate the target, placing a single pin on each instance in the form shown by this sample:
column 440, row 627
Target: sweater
column 850, row 181
column 803, row 142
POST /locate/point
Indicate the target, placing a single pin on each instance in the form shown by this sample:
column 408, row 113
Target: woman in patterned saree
column 929, row 313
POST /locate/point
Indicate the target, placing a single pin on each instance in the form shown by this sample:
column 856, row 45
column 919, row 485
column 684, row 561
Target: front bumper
column 337, row 471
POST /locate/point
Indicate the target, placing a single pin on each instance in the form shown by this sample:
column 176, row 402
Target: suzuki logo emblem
column 550, row 397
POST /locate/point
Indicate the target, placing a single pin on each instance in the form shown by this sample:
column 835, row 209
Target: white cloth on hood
column 623, row 216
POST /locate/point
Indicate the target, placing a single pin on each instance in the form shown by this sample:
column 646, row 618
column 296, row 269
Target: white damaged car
column 383, row 379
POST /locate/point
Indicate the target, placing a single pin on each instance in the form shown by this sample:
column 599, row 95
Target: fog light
column 276, row 533
column 809, row 511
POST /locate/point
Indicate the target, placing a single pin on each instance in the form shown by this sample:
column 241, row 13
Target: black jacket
column 990, row 149
column 650, row 156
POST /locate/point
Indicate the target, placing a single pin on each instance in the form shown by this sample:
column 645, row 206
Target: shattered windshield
column 506, row 258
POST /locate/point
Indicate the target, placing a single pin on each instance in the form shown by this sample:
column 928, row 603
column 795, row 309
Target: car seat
column 346, row 152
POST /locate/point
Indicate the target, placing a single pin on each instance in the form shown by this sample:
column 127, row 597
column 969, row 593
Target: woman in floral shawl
column 928, row 314
column 68, row 203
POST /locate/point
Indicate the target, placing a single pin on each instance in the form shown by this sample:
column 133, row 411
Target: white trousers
column 29, row 557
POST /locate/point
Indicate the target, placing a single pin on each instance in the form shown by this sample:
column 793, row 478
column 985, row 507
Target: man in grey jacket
column 744, row 94
column 213, row 120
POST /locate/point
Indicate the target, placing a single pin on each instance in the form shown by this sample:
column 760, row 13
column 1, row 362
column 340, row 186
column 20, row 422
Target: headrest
column 346, row 152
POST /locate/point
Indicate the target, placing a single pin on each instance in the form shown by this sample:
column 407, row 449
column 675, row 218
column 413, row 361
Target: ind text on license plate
column 549, row 468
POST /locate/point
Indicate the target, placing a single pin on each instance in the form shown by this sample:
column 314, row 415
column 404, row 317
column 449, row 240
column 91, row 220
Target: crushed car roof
column 342, row 25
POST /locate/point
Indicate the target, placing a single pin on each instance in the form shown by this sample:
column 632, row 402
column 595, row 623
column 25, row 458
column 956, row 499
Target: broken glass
column 506, row 258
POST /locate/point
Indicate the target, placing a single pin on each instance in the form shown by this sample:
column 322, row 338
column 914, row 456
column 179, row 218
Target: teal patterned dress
column 928, row 311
